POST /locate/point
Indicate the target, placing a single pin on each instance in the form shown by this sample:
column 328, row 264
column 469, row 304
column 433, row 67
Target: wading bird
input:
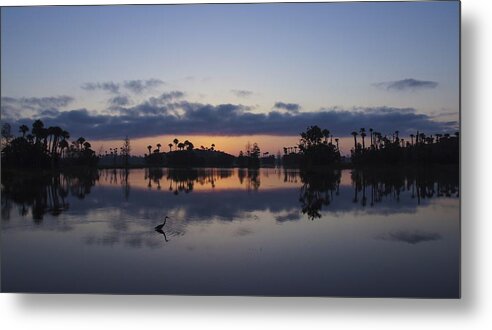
column 159, row 227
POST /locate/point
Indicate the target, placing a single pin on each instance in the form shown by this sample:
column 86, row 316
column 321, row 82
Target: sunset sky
column 231, row 74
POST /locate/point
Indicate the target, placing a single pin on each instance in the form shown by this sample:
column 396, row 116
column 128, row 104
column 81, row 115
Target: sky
column 231, row 74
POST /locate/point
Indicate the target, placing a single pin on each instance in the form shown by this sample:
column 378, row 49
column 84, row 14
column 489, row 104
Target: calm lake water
column 386, row 233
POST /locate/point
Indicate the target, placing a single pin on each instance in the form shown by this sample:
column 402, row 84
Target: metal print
column 302, row 149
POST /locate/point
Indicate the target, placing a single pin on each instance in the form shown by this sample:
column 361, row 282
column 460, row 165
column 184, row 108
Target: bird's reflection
column 160, row 231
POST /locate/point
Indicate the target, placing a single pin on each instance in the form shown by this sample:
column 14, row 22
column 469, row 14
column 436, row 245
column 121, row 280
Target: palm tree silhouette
column 150, row 148
column 363, row 135
column 176, row 141
column 23, row 129
column 159, row 147
column 354, row 134
column 170, row 145
column 336, row 141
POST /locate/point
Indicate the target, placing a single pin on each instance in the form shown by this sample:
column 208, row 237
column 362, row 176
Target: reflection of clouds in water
column 414, row 237
column 243, row 231
column 290, row 216
column 131, row 221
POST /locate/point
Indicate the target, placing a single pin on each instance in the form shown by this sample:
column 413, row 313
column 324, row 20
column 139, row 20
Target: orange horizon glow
column 229, row 144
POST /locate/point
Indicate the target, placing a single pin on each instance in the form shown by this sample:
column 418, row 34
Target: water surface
column 386, row 233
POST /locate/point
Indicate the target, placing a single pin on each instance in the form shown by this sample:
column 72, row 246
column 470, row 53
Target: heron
column 159, row 227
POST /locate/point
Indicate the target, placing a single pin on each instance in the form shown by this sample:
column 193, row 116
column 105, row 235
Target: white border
column 165, row 312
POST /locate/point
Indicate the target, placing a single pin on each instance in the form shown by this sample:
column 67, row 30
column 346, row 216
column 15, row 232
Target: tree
column 80, row 142
column 23, row 129
column 159, row 147
column 363, row 135
column 176, row 141
column 125, row 150
column 170, row 145
column 6, row 133
column 150, row 148
column 354, row 134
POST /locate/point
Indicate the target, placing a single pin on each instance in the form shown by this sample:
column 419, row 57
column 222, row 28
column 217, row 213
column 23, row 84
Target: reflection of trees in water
column 291, row 176
column 181, row 180
column 252, row 177
column 154, row 175
column 392, row 182
column 372, row 186
column 44, row 192
column 317, row 191
column 118, row 176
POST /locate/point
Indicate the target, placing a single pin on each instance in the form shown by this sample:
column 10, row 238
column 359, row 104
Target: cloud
column 231, row 120
column 410, row 237
column 39, row 102
column 138, row 86
column 241, row 93
column 406, row 84
column 108, row 86
column 15, row 108
column 134, row 86
column 292, row 107
column 119, row 101
column 169, row 113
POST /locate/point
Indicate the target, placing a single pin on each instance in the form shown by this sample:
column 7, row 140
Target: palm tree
column 176, row 141
column 57, row 133
column 363, row 135
column 336, row 141
column 159, row 147
column 23, row 129
column 170, row 145
column 150, row 148
column 80, row 142
column 354, row 134
column 213, row 146
column 63, row 145
column 326, row 134
column 181, row 146
column 37, row 130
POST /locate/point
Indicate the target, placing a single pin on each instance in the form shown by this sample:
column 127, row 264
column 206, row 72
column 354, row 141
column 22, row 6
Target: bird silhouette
column 159, row 227
column 160, row 231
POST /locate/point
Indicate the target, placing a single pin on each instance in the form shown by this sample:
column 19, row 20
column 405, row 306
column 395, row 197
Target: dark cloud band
column 406, row 84
column 183, row 117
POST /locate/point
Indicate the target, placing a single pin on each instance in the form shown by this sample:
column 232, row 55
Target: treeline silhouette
column 44, row 147
column 433, row 149
column 40, row 147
